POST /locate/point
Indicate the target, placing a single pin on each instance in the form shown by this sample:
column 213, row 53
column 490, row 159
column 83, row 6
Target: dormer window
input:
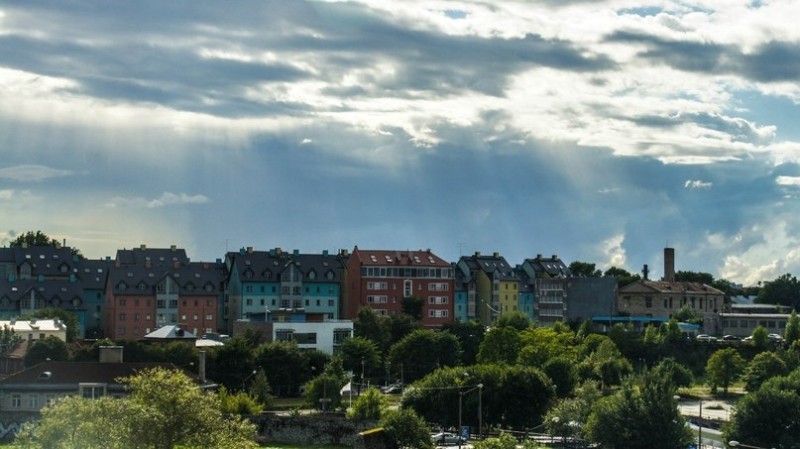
column 312, row 275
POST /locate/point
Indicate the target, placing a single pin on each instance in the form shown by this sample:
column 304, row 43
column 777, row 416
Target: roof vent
column 45, row 375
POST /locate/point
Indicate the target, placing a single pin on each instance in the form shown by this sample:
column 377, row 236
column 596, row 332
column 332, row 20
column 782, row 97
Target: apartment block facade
column 380, row 279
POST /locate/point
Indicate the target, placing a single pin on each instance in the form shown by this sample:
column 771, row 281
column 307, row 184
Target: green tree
column 723, row 368
column 784, row 290
column 38, row 238
column 517, row 320
column 541, row 344
column 792, row 332
column 564, row 374
column 764, row 366
column 623, row 276
column 229, row 364
column 370, row 405
column 259, row 388
column 760, row 337
column 164, row 410
column 644, row 413
column 500, row 345
column 9, row 340
column 373, row 327
column 769, row 416
column 50, row 347
column 412, row 306
column 584, row 270
column 687, row 314
column 504, row 441
column 424, row 350
column 470, row 335
column 239, row 403
column 357, row 350
column 679, row 375
column 287, row 365
column 694, row 276
column 406, row 429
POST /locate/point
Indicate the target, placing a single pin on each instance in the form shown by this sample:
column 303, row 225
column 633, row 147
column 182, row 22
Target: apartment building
column 380, row 279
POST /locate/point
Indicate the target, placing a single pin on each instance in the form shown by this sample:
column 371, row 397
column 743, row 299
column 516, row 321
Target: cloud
column 614, row 251
column 166, row 199
column 31, row 173
column 697, row 184
column 788, row 181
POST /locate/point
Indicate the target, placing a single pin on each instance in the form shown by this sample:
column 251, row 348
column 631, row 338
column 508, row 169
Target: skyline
column 599, row 131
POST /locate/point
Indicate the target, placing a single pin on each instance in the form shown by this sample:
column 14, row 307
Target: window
column 122, row 316
column 122, row 302
column 92, row 390
column 209, row 316
column 16, row 400
column 249, row 301
column 648, row 302
column 195, row 317
column 330, row 303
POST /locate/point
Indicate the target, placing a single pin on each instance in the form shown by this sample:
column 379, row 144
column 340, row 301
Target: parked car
column 731, row 338
column 445, row 438
column 705, row 337
column 392, row 389
column 777, row 338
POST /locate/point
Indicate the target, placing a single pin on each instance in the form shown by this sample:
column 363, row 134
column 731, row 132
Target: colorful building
column 381, row 279
column 492, row 286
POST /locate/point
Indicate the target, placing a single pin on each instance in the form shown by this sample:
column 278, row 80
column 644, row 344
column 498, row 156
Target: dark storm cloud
column 770, row 62
column 151, row 53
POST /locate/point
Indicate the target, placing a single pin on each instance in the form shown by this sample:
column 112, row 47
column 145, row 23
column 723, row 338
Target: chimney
column 173, row 247
column 201, row 366
column 142, row 246
column 645, row 272
column 669, row 264
column 496, row 254
column 110, row 354
column 249, row 250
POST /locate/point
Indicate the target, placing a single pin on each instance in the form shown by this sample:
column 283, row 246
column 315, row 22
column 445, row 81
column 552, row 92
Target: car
column 705, row 337
column 777, row 338
column 731, row 338
column 446, row 438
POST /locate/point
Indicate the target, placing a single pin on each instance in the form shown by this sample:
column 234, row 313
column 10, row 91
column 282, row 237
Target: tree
column 764, row 366
column 784, row 290
column 370, row 405
column 679, row 375
column 424, row 350
column 723, row 368
column 769, row 416
column 260, row 389
column 164, row 410
column 760, row 337
column 470, row 335
column 50, row 347
column 356, row 351
column 792, row 332
column 9, row 340
column 688, row 315
column 229, row 364
column 584, row 270
column 644, row 413
column 412, row 306
column 694, row 276
column 239, row 403
column 500, row 345
column 406, row 429
column 323, row 391
column 373, row 327
column 37, row 238
column 288, row 367
column 517, row 320
column 623, row 276
column 563, row 373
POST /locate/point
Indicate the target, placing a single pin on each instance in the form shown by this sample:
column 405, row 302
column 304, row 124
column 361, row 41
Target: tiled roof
column 156, row 256
column 399, row 258
column 48, row 290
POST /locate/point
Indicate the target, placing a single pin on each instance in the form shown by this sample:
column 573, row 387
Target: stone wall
column 314, row 429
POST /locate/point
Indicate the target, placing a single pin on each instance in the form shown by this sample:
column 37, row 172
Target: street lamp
column 461, row 394
column 734, row 443
column 244, row 382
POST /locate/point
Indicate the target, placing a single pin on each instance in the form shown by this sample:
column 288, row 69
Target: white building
column 325, row 335
column 36, row 329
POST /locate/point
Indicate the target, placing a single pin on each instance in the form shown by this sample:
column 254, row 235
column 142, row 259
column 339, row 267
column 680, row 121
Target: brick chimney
column 669, row 264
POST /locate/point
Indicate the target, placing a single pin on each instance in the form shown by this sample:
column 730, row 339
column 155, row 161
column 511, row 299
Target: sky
column 598, row 131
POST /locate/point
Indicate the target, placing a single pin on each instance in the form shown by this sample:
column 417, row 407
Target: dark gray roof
column 549, row 267
column 495, row 266
column 155, row 256
column 267, row 266
column 52, row 375
column 196, row 278
column 50, row 291
column 44, row 260
column 92, row 273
